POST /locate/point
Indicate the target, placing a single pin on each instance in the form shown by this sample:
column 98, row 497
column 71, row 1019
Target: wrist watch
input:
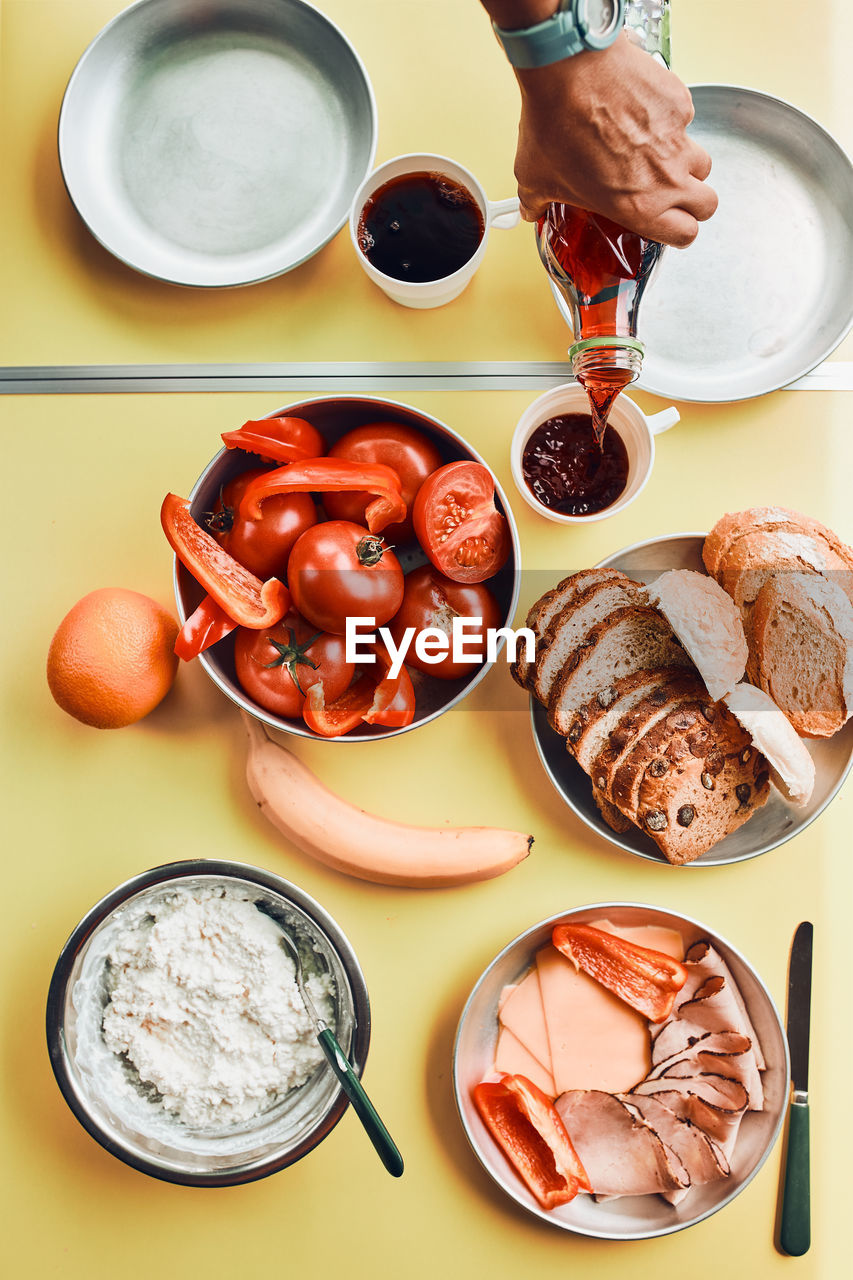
column 575, row 27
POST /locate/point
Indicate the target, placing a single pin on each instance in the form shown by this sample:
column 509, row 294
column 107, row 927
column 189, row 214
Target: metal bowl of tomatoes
column 448, row 550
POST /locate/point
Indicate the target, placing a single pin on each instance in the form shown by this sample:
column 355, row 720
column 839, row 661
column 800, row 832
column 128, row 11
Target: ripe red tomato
column 338, row 570
column 262, row 546
column 431, row 600
column 411, row 455
column 277, row 666
column 458, row 524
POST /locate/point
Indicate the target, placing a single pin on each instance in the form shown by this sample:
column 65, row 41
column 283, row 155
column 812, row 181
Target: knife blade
column 795, row 1230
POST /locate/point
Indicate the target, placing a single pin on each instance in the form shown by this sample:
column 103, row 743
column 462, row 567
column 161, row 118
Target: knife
column 795, row 1231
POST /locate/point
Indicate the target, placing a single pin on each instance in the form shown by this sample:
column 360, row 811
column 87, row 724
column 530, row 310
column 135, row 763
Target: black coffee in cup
column 420, row 227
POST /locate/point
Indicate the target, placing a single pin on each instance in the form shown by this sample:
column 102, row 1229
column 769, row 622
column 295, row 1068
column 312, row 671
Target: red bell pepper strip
column 369, row 700
column 277, row 439
column 247, row 601
column 528, row 1128
column 326, row 475
column 646, row 980
column 205, row 627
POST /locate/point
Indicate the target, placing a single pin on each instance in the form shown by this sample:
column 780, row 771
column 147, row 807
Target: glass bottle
column 600, row 268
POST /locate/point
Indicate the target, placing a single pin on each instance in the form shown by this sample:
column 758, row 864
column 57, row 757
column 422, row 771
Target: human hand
column 606, row 131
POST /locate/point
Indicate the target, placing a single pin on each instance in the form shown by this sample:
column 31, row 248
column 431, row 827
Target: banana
column 360, row 844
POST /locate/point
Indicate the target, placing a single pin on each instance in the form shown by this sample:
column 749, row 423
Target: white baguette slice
column 792, row 768
column 708, row 624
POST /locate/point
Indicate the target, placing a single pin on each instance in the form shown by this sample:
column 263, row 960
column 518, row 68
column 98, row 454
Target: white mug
column 636, row 429
column 430, row 293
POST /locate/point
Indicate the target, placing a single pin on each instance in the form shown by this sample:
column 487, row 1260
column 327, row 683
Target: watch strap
column 545, row 42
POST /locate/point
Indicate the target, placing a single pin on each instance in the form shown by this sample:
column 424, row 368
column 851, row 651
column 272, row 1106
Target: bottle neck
column 610, row 360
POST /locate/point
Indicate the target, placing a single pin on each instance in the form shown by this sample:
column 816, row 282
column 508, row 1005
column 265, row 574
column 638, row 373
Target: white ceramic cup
column 430, row 293
column 636, row 429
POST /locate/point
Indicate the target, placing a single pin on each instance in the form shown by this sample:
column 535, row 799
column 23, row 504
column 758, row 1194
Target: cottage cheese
column 204, row 1005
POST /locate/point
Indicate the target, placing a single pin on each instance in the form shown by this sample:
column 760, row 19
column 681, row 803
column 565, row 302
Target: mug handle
column 660, row 422
column 504, row 214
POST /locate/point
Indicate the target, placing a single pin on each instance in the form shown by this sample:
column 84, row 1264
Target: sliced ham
column 701, row 1157
column 714, row 1103
column 724, row 1053
column 710, row 997
column 621, row 1154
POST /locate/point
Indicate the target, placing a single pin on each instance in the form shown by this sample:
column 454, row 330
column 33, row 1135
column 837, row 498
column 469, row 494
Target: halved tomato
column 458, row 524
column 432, row 600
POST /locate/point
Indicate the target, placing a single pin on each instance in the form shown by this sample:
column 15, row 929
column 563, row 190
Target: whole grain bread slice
column 592, row 725
column 688, row 723
column 802, row 643
column 571, row 625
column 675, row 688
column 687, row 808
column 549, row 605
column 626, row 641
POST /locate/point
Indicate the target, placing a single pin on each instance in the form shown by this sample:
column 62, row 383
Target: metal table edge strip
column 328, row 376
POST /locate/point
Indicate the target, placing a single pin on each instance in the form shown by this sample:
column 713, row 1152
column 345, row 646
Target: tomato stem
column 292, row 655
column 370, row 550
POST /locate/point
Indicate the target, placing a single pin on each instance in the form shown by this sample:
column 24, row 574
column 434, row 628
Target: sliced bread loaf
column 626, row 641
column 701, row 796
column 549, row 605
column 802, row 640
column 675, row 688
column 688, row 723
column 570, row 626
column 593, row 724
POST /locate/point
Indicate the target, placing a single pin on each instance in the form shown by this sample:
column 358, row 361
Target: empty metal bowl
column 219, row 143
column 333, row 417
column 121, row 1112
column 628, row 1217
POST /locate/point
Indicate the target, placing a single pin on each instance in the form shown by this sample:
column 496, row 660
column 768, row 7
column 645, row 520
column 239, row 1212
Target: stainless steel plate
column 218, row 143
column 766, row 290
column 773, row 824
column 630, row 1217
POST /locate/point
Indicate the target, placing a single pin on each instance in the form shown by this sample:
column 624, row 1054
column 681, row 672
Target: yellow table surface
column 85, row 810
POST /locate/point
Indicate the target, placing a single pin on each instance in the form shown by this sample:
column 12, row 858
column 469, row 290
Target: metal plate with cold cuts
column 219, row 143
column 766, row 290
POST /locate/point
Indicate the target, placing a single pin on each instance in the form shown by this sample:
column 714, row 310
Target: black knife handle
column 795, row 1232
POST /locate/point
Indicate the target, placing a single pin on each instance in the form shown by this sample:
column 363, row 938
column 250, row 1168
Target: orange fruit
column 112, row 659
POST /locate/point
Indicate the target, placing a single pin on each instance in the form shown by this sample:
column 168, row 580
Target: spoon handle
column 363, row 1107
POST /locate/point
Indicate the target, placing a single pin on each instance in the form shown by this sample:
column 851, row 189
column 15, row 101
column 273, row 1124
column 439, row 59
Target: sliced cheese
column 653, row 936
column 512, row 1056
column 596, row 1040
column 520, row 1011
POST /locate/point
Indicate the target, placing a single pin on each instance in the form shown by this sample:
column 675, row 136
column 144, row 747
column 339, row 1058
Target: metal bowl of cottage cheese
column 177, row 1033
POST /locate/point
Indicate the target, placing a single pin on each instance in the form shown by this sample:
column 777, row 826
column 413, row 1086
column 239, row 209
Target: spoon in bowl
column 349, row 1081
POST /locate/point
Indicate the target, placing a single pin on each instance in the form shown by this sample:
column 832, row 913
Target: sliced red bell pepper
column 646, row 980
column 247, row 601
column 277, row 439
column 528, row 1128
column 371, row 699
column 327, row 475
column 205, row 627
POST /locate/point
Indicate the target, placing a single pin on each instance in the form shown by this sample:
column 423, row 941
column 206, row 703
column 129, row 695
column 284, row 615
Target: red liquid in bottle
column 602, row 270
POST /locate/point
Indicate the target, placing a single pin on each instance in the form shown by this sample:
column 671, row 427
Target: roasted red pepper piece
column 247, row 601
column 528, row 1128
column 325, row 475
column 277, row 439
column 369, row 700
column 206, row 626
column 646, row 980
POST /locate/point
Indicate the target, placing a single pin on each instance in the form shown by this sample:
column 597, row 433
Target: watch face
column 599, row 16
